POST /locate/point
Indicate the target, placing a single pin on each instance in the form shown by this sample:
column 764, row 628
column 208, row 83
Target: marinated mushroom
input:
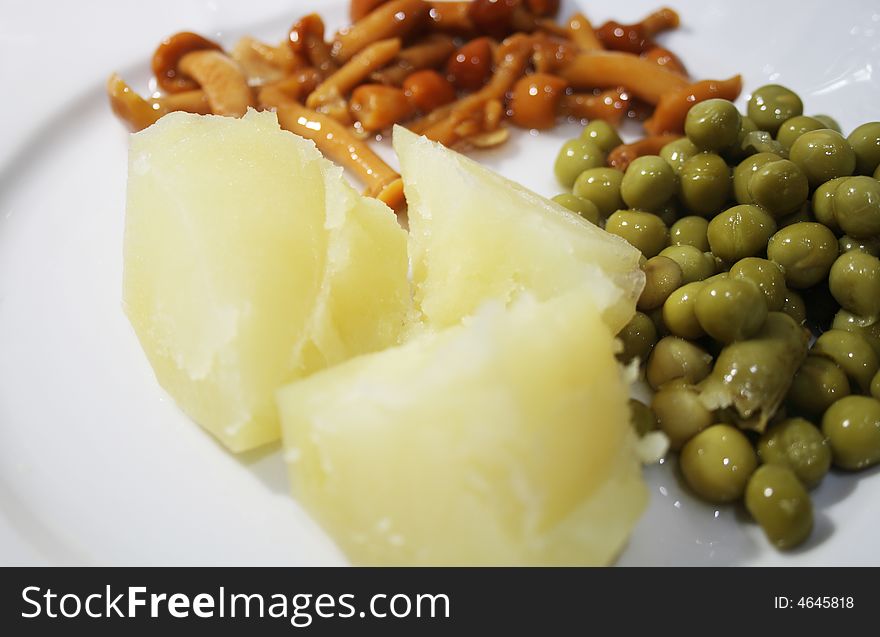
column 343, row 81
column 338, row 144
column 395, row 19
column 608, row 69
column 535, row 100
column 306, row 38
column 222, row 80
column 167, row 56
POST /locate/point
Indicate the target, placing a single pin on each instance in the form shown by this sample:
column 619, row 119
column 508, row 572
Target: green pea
column 766, row 275
column 583, row 207
column 793, row 305
column 866, row 328
column 704, row 183
column 641, row 417
column 662, row 277
column 754, row 375
column 805, row 251
column 602, row 134
column 865, row 142
column 759, row 142
column 771, row 105
column 738, row 151
column 818, row 384
column 641, row 229
column 744, row 171
column 637, row 338
column 721, row 266
column 746, row 124
column 852, row 426
column 857, row 207
column 717, row 463
column 780, row 504
column 780, row 187
column 576, row 156
column 739, row 232
column 797, row 444
column 822, row 155
column 694, row 264
column 668, row 212
column 730, row 309
column 673, row 358
column 799, row 216
column 602, row 187
column 823, row 203
column 649, row 182
column 690, row 231
column 656, row 317
column 679, row 313
column 793, row 128
column 852, row 353
column 719, row 276
column 868, row 246
column 828, row 121
column 854, row 282
column 713, row 124
column 680, row 413
column 677, row 152
column 875, row 386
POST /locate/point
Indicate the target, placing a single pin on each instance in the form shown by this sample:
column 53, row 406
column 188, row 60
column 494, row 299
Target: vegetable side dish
column 452, row 71
column 760, row 233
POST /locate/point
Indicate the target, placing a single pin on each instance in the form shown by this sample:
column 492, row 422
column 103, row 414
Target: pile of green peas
column 759, row 325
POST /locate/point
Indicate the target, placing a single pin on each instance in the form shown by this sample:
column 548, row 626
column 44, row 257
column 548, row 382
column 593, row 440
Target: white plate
column 97, row 466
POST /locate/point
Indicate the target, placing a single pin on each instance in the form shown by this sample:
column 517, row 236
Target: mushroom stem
column 338, row 144
column 190, row 101
column 355, row 71
column 222, row 80
column 264, row 63
column 306, row 38
column 623, row 155
column 166, row 60
column 452, row 17
column 361, row 8
column 130, row 107
column 606, row 69
column 610, row 105
column 581, row 32
column 433, row 51
column 396, row 19
column 659, row 21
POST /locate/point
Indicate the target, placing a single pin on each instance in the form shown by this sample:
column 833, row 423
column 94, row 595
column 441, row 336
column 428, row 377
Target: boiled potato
column 475, row 235
column 505, row 441
column 249, row 262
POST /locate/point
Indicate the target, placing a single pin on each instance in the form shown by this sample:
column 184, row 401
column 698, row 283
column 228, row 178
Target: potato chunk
column 504, row 441
column 245, row 252
column 475, row 235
